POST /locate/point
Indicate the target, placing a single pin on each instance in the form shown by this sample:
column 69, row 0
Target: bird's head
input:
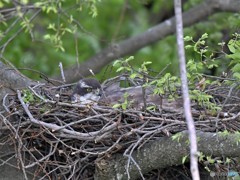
column 87, row 91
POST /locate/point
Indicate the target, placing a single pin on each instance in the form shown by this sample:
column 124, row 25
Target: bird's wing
column 135, row 97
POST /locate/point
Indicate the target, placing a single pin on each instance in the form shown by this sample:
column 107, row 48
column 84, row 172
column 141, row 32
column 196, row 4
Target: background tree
column 73, row 32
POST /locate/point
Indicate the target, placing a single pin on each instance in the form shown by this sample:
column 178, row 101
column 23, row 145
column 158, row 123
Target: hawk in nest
column 89, row 91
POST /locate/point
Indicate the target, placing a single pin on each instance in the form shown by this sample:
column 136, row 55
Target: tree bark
column 166, row 152
column 12, row 78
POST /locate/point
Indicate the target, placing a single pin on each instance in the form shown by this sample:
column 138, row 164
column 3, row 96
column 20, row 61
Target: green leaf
column 116, row 63
column 125, row 95
column 204, row 36
column 235, row 56
column 228, row 160
column 188, row 46
column 188, row 38
column 147, row 62
column 184, row 159
column 133, row 75
column 177, row 137
column 236, row 68
column 201, row 156
column 234, row 45
column 202, row 42
column 38, row 4
column 124, row 106
column 203, row 51
column 210, row 160
column 151, row 108
column 115, row 106
column 221, row 43
column 129, row 59
column 24, row 1
column 52, row 26
column 236, row 75
column 47, row 36
column 120, row 69
column 212, row 65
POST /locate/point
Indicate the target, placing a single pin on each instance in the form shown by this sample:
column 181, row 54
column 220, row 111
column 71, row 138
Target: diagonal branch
column 13, row 79
column 152, row 35
column 167, row 152
column 91, row 136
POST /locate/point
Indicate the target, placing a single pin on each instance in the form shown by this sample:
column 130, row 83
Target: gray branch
column 185, row 93
column 11, row 79
column 167, row 152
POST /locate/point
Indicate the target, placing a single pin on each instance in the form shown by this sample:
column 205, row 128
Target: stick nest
column 61, row 140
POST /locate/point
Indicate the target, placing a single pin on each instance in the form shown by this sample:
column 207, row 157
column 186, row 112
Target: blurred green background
column 70, row 31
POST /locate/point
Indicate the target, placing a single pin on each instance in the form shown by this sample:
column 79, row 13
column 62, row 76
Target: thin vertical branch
column 185, row 93
column 62, row 72
column 144, row 92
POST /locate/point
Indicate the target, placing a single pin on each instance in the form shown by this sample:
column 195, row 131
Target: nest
column 61, row 140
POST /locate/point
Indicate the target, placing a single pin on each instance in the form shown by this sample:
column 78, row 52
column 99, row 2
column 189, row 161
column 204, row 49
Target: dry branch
column 74, row 134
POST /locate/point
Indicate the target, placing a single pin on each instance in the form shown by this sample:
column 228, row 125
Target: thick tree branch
column 11, row 79
column 152, row 35
column 167, row 152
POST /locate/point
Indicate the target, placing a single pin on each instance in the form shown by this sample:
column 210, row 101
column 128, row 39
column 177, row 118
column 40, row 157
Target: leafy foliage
column 28, row 96
column 169, row 84
column 67, row 31
column 198, row 81
column 204, row 100
column 234, row 47
column 125, row 104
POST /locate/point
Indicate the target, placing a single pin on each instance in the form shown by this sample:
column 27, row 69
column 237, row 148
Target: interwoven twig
column 58, row 138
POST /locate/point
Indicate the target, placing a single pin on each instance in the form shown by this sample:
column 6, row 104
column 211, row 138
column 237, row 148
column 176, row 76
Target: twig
column 19, row 146
column 51, row 152
column 54, row 127
column 4, row 103
column 15, row 35
column 62, row 72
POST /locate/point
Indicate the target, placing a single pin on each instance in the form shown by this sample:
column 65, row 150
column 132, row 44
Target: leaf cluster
column 198, row 81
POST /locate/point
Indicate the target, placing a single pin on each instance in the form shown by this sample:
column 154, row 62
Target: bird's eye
column 89, row 90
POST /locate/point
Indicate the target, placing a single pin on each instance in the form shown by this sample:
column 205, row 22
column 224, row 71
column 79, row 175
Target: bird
column 134, row 95
column 87, row 91
column 113, row 94
column 90, row 91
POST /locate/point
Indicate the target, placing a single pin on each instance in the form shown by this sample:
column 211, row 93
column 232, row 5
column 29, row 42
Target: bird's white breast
column 89, row 98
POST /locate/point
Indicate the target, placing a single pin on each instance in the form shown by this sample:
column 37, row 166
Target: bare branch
column 185, row 93
column 62, row 72
column 74, row 134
